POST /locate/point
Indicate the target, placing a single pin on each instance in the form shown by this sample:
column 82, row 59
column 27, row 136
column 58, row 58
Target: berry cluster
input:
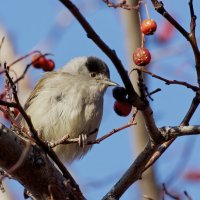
column 41, row 62
column 121, row 106
column 142, row 56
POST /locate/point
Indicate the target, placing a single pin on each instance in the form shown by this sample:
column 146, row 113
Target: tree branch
column 170, row 132
column 167, row 81
column 194, row 105
column 133, row 174
column 34, row 171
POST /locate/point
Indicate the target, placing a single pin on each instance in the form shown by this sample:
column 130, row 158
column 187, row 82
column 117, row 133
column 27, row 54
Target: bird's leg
column 83, row 138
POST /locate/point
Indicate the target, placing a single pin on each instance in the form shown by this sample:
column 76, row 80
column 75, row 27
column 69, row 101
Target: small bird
column 69, row 102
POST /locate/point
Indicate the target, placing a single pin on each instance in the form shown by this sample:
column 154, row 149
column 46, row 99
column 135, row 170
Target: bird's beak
column 109, row 82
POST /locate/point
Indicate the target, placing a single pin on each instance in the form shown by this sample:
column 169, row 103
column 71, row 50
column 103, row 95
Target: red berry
column 122, row 108
column 49, row 66
column 141, row 56
column 38, row 61
column 148, row 26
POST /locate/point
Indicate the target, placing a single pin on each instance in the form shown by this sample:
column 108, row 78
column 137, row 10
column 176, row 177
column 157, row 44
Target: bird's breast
column 73, row 112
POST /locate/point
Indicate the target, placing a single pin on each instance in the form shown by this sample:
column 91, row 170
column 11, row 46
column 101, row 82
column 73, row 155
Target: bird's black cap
column 96, row 65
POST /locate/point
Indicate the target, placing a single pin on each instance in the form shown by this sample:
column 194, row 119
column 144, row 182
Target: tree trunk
column 133, row 40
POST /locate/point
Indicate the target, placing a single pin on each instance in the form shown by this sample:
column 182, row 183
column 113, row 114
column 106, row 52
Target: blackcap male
column 69, row 102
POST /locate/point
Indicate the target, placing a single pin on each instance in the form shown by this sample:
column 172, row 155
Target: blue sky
column 30, row 23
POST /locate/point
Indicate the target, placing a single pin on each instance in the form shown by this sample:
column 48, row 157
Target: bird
column 69, row 101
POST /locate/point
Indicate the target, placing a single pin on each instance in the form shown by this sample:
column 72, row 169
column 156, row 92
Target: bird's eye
column 93, row 74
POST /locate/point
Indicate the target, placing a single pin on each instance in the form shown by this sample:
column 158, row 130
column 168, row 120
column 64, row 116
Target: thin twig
column 22, row 58
column 131, row 123
column 28, row 66
column 155, row 91
column 167, row 81
column 67, row 140
column 187, row 195
column 169, row 194
column 63, row 140
column 193, row 107
column 18, row 60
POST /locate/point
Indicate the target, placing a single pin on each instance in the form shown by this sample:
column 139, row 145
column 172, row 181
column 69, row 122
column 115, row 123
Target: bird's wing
column 40, row 84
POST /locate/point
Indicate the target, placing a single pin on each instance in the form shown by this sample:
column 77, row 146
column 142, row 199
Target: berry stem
column 23, row 57
column 142, row 35
column 147, row 10
column 143, row 40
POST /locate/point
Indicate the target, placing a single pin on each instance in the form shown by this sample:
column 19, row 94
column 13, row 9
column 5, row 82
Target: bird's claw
column 82, row 140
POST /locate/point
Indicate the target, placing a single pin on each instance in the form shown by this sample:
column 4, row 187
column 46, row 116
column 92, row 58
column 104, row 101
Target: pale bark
column 133, row 40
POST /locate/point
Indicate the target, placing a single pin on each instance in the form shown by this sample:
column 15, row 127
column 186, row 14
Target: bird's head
column 91, row 67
